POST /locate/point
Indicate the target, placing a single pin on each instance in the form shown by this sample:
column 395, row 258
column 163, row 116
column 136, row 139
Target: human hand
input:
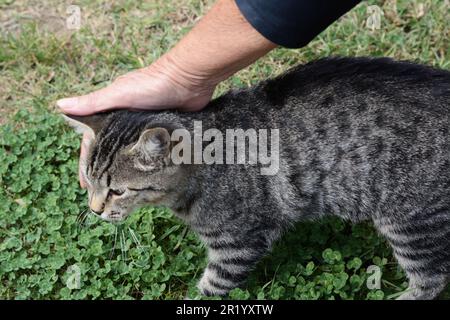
column 162, row 85
column 222, row 43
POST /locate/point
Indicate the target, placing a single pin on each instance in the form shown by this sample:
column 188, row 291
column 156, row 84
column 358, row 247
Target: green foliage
column 152, row 255
column 40, row 239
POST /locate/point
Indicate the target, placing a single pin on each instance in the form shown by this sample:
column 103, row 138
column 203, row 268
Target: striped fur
column 362, row 139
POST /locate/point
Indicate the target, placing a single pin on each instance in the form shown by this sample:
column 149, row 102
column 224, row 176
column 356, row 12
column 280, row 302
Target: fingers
column 85, row 142
column 93, row 102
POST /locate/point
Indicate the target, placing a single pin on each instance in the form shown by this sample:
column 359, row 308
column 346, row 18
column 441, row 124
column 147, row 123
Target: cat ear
column 82, row 124
column 153, row 142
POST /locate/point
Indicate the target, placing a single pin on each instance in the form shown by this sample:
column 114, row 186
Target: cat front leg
column 421, row 245
column 230, row 260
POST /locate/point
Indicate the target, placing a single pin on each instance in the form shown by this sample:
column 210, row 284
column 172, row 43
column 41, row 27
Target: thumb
column 93, row 102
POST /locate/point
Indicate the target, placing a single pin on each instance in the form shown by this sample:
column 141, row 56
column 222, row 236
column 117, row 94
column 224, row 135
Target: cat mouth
column 114, row 217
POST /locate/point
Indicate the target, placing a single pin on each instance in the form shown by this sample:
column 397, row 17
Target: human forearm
column 222, row 43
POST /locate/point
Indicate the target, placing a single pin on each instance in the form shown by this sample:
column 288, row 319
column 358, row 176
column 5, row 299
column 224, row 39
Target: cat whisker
column 89, row 220
column 85, row 218
column 80, row 216
column 135, row 239
column 122, row 245
column 114, row 243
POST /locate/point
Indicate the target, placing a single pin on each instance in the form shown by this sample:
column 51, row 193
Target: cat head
column 127, row 164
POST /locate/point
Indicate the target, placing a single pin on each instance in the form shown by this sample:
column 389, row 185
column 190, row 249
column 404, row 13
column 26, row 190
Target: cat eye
column 149, row 188
column 116, row 192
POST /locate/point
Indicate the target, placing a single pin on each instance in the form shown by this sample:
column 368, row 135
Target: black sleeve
column 293, row 23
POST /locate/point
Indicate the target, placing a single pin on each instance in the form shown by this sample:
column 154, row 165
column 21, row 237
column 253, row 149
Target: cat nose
column 97, row 208
column 97, row 204
column 97, row 212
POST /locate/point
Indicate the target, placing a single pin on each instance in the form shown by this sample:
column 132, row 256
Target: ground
column 45, row 252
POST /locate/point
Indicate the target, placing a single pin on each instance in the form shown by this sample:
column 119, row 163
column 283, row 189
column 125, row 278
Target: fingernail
column 67, row 103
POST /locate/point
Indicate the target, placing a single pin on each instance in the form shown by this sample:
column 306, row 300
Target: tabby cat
column 359, row 138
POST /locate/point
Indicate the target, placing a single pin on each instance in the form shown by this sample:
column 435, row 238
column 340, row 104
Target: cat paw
column 209, row 287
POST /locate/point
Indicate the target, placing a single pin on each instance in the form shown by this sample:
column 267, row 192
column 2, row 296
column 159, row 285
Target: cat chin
column 114, row 218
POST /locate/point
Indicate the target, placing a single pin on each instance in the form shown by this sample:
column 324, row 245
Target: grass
column 152, row 255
